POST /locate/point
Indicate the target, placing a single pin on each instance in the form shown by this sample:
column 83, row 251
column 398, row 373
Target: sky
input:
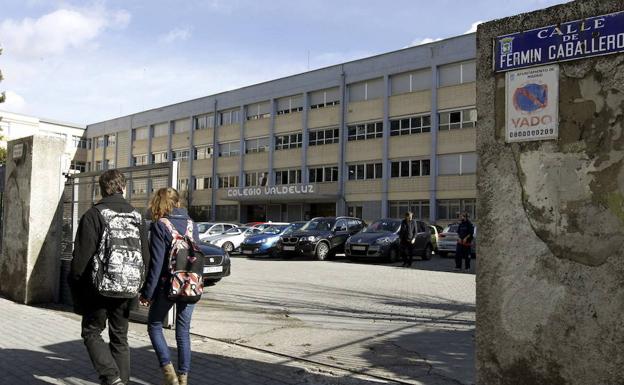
column 89, row 61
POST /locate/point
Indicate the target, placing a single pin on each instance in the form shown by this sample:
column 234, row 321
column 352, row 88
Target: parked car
column 265, row 225
column 265, row 243
column 232, row 239
column 207, row 229
column 379, row 240
column 321, row 237
column 435, row 236
column 448, row 241
column 216, row 263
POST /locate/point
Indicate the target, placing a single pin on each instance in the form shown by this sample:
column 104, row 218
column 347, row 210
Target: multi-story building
column 15, row 126
column 371, row 138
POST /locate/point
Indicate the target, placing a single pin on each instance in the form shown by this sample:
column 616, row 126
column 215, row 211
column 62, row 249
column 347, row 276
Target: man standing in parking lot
column 407, row 237
column 465, row 232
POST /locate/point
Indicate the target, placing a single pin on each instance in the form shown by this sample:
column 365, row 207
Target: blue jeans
column 157, row 313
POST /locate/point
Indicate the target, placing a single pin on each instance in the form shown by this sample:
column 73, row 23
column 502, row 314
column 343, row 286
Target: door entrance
column 322, row 210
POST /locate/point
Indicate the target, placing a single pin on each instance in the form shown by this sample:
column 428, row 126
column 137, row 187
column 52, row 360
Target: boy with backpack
column 110, row 259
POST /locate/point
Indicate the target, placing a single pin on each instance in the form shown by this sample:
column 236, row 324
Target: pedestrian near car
column 465, row 233
column 111, row 238
column 407, row 238
column 169, row 222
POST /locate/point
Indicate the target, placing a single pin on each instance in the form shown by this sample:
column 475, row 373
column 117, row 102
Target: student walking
column 407, row 239
column 465, row 233
column 173, row 239
column 107, row 271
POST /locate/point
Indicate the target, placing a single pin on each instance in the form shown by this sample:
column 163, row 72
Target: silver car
column 447, row 241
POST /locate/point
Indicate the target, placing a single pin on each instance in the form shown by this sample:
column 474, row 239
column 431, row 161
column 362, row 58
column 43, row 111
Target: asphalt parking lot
column 412, row 325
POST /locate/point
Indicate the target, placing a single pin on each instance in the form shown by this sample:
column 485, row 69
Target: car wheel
column 427, row 253
column 393, row 255
column 228, row 246
column 443, row 254
column 322, row 251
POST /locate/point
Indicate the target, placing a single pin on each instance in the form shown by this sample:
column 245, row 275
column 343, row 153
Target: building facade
column 370, row 138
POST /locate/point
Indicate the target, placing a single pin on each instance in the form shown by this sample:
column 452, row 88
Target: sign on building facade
column 531, row 104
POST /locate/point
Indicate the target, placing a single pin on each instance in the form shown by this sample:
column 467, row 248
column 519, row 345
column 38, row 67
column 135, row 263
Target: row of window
column 447, row 209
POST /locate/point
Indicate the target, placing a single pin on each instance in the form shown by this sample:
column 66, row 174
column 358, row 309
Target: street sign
column 532, row 104
column 594, row 36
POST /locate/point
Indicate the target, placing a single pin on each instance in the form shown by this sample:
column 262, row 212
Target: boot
column 183, row 379
column 170, row 375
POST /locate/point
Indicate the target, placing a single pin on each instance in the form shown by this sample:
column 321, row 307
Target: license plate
column 213, row 269
column 289, row 248
column 247, row 252
column 358, row 247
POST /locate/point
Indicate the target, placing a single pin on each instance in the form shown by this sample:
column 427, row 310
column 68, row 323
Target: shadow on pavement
column 68, row 363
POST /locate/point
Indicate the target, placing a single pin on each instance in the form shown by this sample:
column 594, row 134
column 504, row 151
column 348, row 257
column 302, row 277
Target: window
column 203, row 152
column 158, row 183
column 365, row 171
column 291, row 176
column 289, row 105
column 109, row 164
column 100, row 142
column 283, row 142
column 411, row 81
column 79, row 166
column 181, row 126
column 410, row 168
column 90, row 143
column 111, row 140
column 452, row 120
column 99, row 165
column 140, row 160
column 368, row 90
column 326, row 136
column 159, row 157
column 140, row 133
column 229, row 117
column 410, row 125
column 457, row 73
column 204, row 121
column 139, row 186
column 354, row 211
column 256, row 145
column 365, row 131
column 259, row 111
column 457, row 164
column 325, row 98
column 255, row 178
column 161, row 129
column 180, row 155
column 323, row 174
column 88, row 166
column 229, row 149
column 79, row 142
column 183, row 184
column 203, row 182
column 228, row 181
column 420, row 208
column 226, row 213
column 449, row 209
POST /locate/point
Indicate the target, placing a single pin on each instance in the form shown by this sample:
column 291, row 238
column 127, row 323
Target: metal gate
column 82, row 191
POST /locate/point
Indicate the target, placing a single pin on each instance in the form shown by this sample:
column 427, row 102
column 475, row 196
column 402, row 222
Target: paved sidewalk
column 43, row 346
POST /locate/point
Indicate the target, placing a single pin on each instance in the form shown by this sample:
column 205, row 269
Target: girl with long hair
column 165, row 209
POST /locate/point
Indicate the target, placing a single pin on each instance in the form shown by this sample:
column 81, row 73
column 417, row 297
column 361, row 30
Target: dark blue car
column 265, row 242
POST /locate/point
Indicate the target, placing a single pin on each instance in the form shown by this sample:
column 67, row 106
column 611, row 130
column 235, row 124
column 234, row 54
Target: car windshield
column 319, row 224
column 249, row 230
column 273, row 229
column 293, row 227
column 233, row 230
column 203, row 227
column 451, row 228
column 383, row 227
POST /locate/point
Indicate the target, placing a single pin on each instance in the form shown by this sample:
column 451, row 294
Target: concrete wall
column 29, row 264
column 550, row 283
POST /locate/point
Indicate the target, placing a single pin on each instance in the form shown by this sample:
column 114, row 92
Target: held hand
column 413, row 241
column 144, row 301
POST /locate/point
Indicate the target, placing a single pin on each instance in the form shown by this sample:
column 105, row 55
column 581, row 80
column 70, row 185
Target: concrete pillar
column 241, row 158
column 215, row 157
column 304, row 139
column 433, row 178
column 341, row 204
column 386, row 148
column 33, row 215
column 550, row 292
column 191, row 179
column 270, row 176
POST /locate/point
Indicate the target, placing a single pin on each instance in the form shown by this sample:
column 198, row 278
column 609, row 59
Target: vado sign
column 531, row 104
column 271, row 190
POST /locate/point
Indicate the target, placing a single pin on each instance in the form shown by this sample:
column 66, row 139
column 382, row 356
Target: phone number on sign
column 530, row 133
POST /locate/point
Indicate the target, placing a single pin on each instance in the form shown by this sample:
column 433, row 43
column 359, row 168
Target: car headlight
column 311, row 238
column 264, row 240
column 383, row 241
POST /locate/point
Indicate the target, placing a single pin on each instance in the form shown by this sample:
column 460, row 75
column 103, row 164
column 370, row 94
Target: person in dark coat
column 112, row 360
column 166, row 204
column 407, row 238
column 465, row 233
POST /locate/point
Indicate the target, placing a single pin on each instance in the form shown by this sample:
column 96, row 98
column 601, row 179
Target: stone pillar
column 550, row 280
column 32, row 216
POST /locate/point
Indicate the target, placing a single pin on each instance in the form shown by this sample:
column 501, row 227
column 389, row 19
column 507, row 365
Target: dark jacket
column 465, row 229
column 160, row 245
column 87, row 241
column 407, row 232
